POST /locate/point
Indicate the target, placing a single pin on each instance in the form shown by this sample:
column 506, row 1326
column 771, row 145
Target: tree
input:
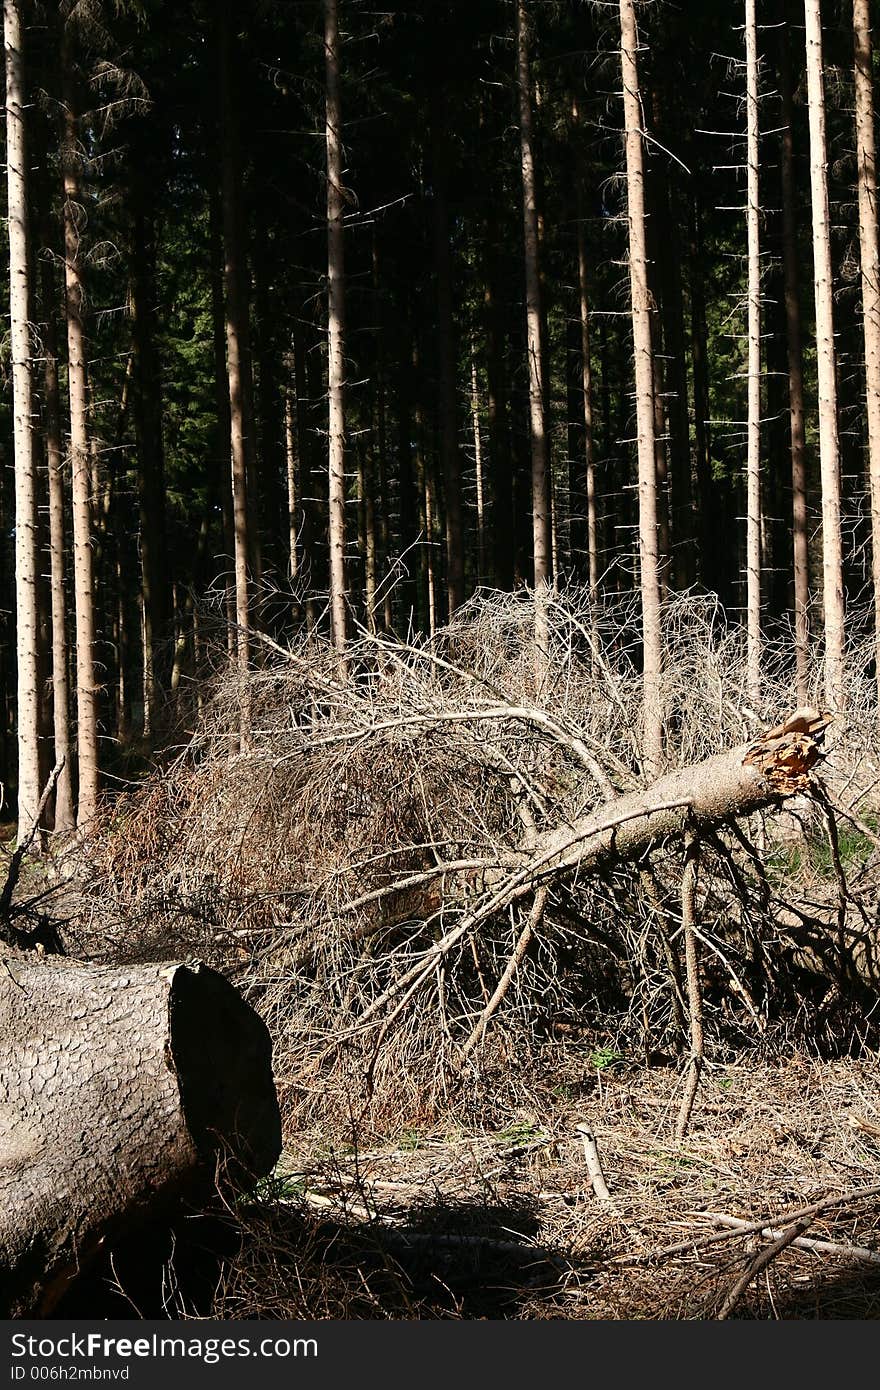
column 26, row 546
column 652, row 657
column 237, row 357
column 753, row 216
column 795, row 362
column 540, row 452
column 866, row 152
column 74, row 219
column 65, row 818
column 335, row 330
column 829, row 444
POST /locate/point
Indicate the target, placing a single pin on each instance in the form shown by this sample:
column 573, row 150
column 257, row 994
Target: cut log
column 120, row 1089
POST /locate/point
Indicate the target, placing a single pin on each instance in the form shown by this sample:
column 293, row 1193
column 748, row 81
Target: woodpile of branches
column 427, row 877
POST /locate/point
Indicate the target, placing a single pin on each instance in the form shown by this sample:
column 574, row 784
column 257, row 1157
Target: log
column 121, row 1089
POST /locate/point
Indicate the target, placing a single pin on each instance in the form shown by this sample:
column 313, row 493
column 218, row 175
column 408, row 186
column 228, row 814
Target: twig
column 682, row 1247
column 692, row 962
column 522, row 945
column 594, row 1163
column 813, row 1243
column 761, row 1261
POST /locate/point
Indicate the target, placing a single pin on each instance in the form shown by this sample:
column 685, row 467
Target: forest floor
column 466, row 1222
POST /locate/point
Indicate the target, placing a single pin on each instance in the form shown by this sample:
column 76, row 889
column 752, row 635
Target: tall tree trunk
column 641, row 316
column 866, row 151
column 587, row 401
column 448, row 411
column 478, row 470
column 26, row 538
column 335, row 330
column 291, row 463
column 150, row 453
column 798, row 442
column 503, row 553
column 77, row 376
column 237, row 364
column 381, row 435
column 64, row 813
column 829, row 445
column 540, row 453
column 669, row 277
column 308, row 527
column 753, row 466
column 224, row 432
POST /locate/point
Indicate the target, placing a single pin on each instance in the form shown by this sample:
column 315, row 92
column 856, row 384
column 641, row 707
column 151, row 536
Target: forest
column 439, row 660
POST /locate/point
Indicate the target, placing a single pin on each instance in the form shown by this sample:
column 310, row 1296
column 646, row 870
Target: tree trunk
column 237, row 362
column 753, row 466
column 641, row 316
column 335, row 332
column 119, row 1087
column 223, row 463
column 77, row 377
column 479, row 476
column 699, row 797
column 829, row 446
column 798, row 442
column 587, row 400
column 150, row 453
column 866, row 151
column 26, row 540
column 446, row 353
column 64, row 818
column 541, row 539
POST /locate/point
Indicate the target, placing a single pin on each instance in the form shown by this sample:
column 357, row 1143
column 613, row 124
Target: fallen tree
column 120, row 1090
column 400, row 853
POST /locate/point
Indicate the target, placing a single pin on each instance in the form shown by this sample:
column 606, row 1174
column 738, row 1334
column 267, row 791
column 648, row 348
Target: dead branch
column 811, row 1243
column 522, row 945
column 695, row 997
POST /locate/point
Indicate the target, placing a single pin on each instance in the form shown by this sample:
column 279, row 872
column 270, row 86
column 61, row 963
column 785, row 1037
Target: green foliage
column 604, row 1057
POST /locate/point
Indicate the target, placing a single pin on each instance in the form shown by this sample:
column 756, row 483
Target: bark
column 829, row 445
column 119, row 1088
column 866, row 150
column 641, row 316
column 540, row 452
column 80, row 453
column 753, row 465
column 335, row 331
column 26, row 538
column 798, row 444
column 237, row 360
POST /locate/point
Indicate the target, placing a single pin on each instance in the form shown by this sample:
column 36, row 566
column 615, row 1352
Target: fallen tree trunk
column 702, row 796
column 120, row 1088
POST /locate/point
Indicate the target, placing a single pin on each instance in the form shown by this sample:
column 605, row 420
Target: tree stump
column 120, row 1088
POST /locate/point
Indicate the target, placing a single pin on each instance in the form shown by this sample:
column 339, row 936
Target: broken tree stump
column 120, row 1088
